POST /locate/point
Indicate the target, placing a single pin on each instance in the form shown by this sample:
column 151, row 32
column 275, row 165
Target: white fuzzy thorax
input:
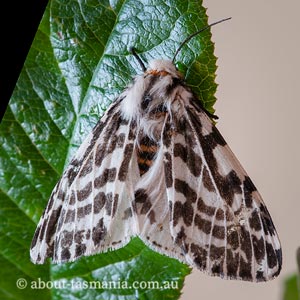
column 131, row 106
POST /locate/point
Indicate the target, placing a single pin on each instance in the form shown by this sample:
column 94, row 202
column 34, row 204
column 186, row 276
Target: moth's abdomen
column 146, row 154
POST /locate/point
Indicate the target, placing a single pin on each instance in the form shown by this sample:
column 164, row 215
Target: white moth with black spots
column 155, row 166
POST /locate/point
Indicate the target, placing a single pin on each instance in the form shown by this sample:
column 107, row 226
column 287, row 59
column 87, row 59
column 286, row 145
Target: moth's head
column 162, row 68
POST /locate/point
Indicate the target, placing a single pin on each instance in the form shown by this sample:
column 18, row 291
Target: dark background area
column 19, row 21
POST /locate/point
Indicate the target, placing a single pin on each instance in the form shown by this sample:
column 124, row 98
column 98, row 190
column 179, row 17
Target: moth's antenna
column 133, row 51
column 195, row 33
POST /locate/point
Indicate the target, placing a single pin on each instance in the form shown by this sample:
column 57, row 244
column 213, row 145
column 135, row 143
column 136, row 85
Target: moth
column 155, row 166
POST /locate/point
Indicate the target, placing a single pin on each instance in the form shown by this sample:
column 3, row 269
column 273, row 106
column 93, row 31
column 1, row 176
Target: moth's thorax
column 154, row 95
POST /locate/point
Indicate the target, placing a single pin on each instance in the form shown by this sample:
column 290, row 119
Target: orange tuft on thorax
column 157, row 73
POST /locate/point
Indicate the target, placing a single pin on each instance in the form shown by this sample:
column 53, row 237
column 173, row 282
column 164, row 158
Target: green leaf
column 291, row 288
column 78, row 62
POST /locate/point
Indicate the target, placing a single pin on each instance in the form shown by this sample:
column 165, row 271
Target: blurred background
column 258, row 107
